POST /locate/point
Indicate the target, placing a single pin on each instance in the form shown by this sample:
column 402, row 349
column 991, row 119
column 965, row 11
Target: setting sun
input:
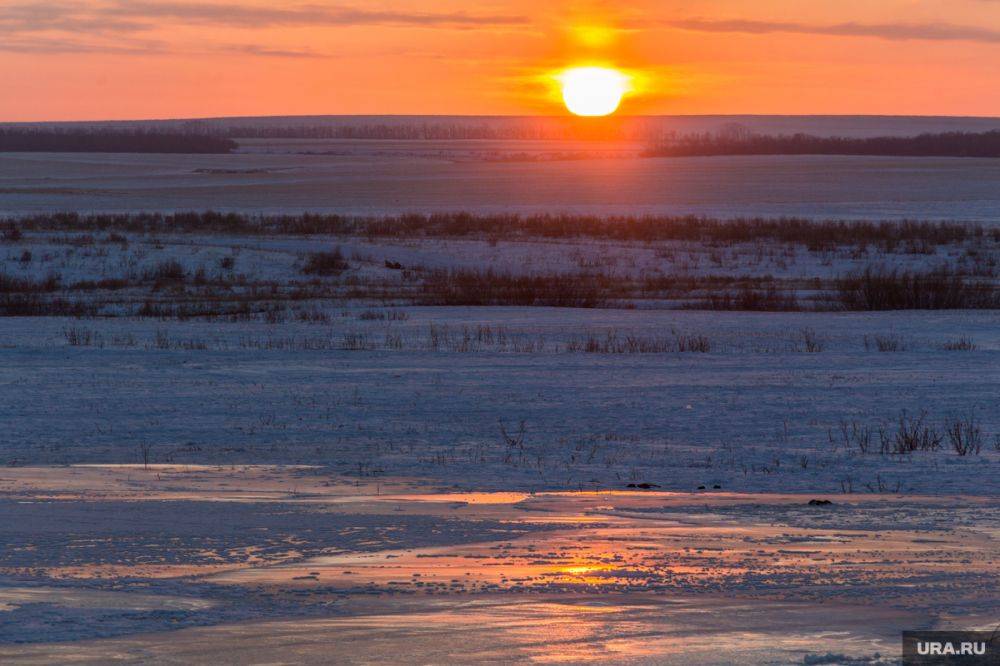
column 593, row 91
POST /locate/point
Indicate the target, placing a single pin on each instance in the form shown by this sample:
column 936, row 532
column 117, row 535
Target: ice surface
column 368, row 178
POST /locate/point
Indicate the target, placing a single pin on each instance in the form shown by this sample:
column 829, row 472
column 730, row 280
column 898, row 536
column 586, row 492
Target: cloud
column 61, row 17
column 891, row 31
column 255, row 16
column 134, row 15
column 61, row 45
column 267, row 52
column 108, row 25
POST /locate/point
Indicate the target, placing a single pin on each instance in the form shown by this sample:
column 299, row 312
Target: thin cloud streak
column 130, row 16
column 62, row 17
column 251, row 16
column 889, row 31
column 44, row 45
column 110, row 27
column 57, row 46
column 267, row 52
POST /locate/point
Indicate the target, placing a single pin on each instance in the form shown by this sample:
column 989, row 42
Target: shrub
column 110, row 284
column 889, row 342
column 693, row 343
column 170, row 270
column 811, row 340
column 965, row 435
column 855, row 434
column 961, row 344
column 11, row 233
column 912, row 434
column 767, row 299
column 470, row 287
column 10, row 284
column 880, row 289
column 81, row 337
column 32, row 305
column 326, row 263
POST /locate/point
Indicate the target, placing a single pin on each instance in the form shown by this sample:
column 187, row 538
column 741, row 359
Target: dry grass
column 886, row 342
column 813, row 234
column 892, row 289
column 960, row 344
column 965, row 435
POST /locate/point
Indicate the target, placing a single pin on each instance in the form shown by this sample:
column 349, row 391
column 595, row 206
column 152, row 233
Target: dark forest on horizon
column 110, row 141
column 730, row 140
column 946, row 144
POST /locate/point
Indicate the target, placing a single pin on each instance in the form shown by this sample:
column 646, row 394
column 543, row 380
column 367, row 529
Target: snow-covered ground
column 91, row 256
column 338, row 469
column 757, row 411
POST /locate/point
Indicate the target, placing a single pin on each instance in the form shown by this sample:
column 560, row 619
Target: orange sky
column 91, row 59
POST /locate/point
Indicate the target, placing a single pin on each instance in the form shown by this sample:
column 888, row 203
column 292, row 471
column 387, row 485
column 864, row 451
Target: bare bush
column 161, row 339
column 326, row 263
column 613, row 343
column 513, row 440
column 961, row 344
column 912, row 434
column 169, row 270
column 811, row 340
column 11, row 233
column 882, row 289
column 965, row 435
column 889, row 342
column 763, row 298
column 77, row 336
column 856, row 435
column 313, row 316
column 32, row 305
column 357, row 342
column 692, row 343
column 471, row 287
column 17, row 285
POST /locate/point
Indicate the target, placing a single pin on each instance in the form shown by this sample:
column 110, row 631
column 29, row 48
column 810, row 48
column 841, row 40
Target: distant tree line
column 545, row 128
column 403, row 132
column 948, row 144
column 554, row 128
column 109, row 141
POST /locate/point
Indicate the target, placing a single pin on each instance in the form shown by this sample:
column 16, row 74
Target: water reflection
column 618, row 577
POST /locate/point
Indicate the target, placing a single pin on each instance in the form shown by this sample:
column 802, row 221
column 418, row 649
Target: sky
column 122, row 59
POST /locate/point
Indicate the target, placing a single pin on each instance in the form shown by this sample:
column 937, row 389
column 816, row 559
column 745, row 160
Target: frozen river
column 385, row 177
column 289, row 565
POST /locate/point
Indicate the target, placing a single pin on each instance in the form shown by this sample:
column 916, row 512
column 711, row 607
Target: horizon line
column 346, row 116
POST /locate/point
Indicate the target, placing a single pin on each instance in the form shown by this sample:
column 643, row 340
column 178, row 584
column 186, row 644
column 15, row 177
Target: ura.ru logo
column 947, row 648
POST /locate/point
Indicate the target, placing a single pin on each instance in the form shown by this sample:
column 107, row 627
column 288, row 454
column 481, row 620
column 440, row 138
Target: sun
column 593, row 91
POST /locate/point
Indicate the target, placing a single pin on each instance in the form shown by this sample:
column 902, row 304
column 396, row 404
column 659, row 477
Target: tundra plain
column 495, row 436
